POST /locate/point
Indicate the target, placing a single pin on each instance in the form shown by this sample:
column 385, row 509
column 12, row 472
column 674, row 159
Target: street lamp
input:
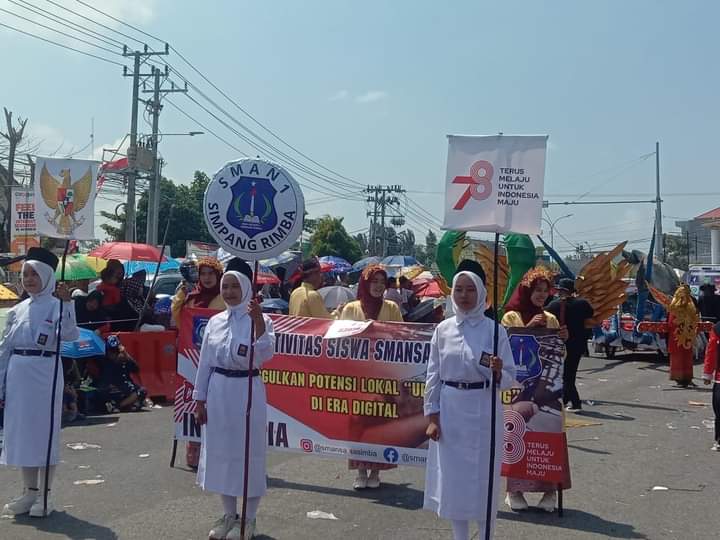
column 188, row 134
column 552, row 228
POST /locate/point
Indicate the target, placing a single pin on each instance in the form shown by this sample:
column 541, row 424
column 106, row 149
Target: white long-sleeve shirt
column 226, row 344
column 28, row 322
column 455, row 352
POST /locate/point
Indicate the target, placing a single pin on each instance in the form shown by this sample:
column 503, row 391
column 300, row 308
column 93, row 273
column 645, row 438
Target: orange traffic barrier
column 156, row 356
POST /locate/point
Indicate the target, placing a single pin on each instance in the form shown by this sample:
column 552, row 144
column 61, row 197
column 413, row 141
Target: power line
column 120, row 21
column 61, row 45
column 229, row 144
column 53, row 17
column 95, row 22
column 59, row 31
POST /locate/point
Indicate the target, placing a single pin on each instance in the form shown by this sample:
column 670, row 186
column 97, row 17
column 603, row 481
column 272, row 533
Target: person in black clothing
column 89, row 312
column 709, row 303
column 572, row 311
column 119, row 391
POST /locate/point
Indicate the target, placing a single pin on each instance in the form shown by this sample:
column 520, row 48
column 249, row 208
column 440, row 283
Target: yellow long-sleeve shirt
column 305, row 301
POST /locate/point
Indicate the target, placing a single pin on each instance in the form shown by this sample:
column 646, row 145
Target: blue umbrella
column 87, row 345
column 338, row 264
column 400, row 260
column 362, row 263
column 275, row 304
column 133, row 266
column 284, row 258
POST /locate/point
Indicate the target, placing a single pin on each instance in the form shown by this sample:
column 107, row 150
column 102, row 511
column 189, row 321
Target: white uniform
column 226, row 344
column 26, row 381
column 456, row 481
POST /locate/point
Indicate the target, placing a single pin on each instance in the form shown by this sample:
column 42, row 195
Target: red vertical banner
column 535, row 446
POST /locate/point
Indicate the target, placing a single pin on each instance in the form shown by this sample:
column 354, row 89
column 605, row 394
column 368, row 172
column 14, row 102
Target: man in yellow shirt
column 305, row 301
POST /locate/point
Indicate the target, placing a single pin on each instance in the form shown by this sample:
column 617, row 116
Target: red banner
column 357, row 395
column 535, row 447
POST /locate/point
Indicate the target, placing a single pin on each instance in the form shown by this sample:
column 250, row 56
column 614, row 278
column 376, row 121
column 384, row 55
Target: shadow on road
column 589, row 450
column 576, row 520
column 65, row 524
column 603, row 416
column 396, row 495
column 634, row 405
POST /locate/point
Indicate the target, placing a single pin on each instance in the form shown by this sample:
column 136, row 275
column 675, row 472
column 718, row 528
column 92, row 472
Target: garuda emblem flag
column 65, row 198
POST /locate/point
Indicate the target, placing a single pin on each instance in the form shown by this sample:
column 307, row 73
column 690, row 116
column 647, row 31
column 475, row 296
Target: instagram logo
column 306, row 445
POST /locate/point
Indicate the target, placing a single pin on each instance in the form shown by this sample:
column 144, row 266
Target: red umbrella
column 427, row 288
column 324, row 268
column 127, row 251
column 265, row 276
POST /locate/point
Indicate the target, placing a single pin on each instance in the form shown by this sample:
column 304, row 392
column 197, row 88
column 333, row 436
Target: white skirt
column 456, row 477
column 222, row 455
column 27, row 411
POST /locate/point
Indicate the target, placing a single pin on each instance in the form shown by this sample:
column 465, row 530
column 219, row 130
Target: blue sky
column 370, row 89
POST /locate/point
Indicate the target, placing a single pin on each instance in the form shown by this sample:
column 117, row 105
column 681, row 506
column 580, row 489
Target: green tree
column 331, row 238
column 431, row 242
column 676, row 251
column 114, row 226
column 188, row 221
column 406, row 239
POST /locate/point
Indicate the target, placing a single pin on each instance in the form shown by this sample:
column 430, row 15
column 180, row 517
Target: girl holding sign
column 221, row 394
column 27, row 364
column 458, row 398
column 526, row 309
column 371, row 305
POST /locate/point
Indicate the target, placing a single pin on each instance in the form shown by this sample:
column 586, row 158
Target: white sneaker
column 20, row 505
column 716, row 447
column 548, row 501
column 516, row 501
column 373, row 481
column 38, row 509
column 234, row 533
column 361, row 482
column 221, row 528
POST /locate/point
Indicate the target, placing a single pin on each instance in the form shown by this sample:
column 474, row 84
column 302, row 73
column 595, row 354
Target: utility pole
column 658, row 207
column 384, row 199
column 153, row 211
column 132, row 171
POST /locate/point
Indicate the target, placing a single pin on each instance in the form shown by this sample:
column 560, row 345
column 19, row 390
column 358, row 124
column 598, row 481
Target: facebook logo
column 391, row 455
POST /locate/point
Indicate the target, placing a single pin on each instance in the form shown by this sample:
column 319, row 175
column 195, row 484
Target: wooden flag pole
column 246, row 470
column 51, row 433
column 493, row 399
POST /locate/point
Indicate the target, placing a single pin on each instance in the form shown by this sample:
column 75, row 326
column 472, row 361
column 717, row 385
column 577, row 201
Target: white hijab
column 239, row 310
column 47, row 278
column 477, row 313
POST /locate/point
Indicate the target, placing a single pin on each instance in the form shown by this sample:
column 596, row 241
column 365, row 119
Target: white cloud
column 107, row 150
column 340, row 95
column 372, row 96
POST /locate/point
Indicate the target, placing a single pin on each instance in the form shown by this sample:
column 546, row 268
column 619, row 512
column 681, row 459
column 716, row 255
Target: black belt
column 33, row 352
column 236, row 372
column 467, row 385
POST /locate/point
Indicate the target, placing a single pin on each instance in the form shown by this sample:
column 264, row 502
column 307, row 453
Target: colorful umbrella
column 127, row 251
column 76, row 269
column 363, row 263
column 338, row 263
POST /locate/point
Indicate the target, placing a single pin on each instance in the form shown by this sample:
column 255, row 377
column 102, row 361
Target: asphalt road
column 647, row 435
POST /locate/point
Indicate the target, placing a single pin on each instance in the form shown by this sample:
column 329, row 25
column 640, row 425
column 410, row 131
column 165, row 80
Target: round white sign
column 254, row 209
